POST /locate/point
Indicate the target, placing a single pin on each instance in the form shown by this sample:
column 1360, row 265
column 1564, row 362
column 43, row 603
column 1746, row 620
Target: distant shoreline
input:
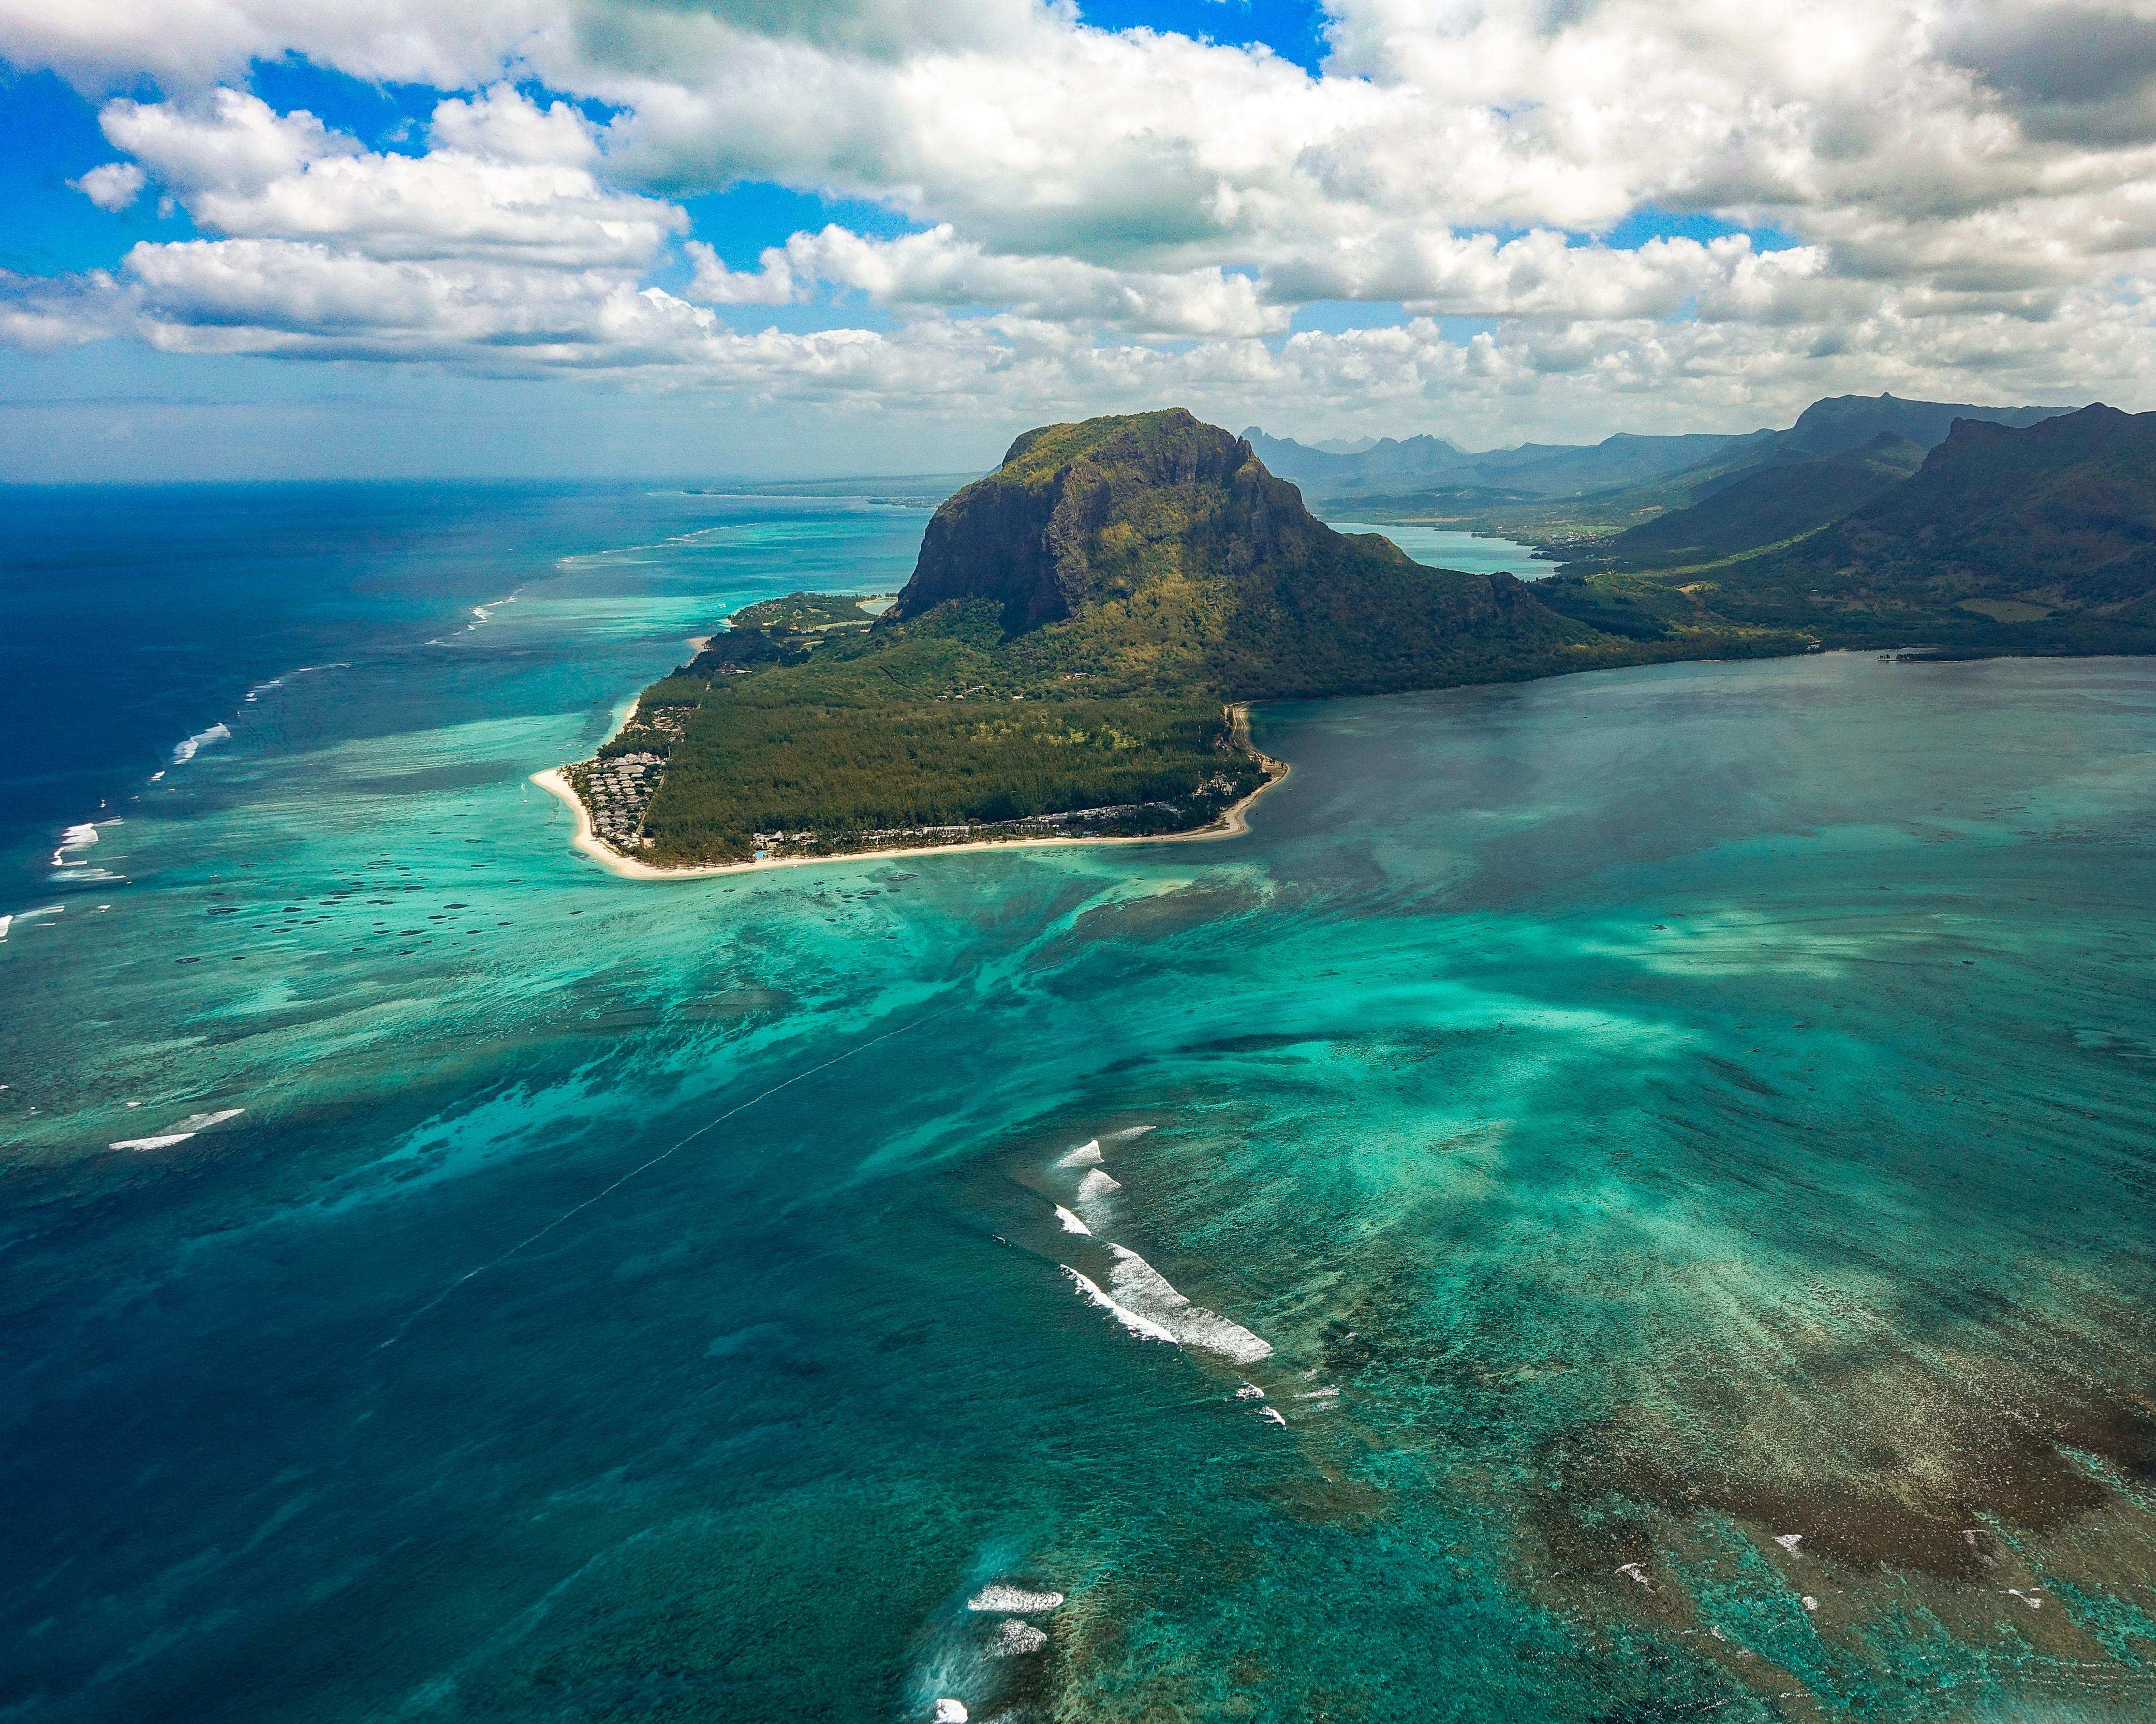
column 1233, row 822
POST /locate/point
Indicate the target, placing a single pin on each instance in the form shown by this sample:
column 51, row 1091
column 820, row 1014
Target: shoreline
column 1233, row 822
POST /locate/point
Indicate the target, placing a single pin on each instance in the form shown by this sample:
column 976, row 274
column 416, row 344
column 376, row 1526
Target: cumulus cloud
column 939, row 270
column 504, row 179
column 114, row 187
column 1101, row 214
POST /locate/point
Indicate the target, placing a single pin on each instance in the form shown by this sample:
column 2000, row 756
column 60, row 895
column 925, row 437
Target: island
column 1074, row 656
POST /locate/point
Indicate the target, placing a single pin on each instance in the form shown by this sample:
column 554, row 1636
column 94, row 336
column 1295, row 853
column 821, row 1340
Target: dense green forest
column 927, row 729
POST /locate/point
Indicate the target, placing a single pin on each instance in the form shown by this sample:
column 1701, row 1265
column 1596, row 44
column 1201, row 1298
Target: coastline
column 1233, row 822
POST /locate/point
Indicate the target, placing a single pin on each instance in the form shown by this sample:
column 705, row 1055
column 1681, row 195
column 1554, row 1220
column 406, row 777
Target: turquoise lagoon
column 1664, row 1158
column 1449, row 548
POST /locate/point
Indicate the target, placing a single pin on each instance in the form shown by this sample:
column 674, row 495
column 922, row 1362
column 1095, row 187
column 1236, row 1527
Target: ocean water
column 1624, row 1197
column 1449, row 548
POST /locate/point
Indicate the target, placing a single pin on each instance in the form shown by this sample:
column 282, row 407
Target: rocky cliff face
column 1156, row 548
column 1075, row 513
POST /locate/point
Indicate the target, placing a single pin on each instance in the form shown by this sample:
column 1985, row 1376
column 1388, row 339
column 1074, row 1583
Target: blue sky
column 880, row 234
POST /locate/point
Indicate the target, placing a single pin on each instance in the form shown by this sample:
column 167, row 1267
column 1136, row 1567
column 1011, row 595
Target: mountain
column 1844, row 424
column 1387, row 461
column 2036, row 538
column 1157, row 551
column 1838, row 423
column 1066, row 661
column 1767, row 505
column 1392, row 467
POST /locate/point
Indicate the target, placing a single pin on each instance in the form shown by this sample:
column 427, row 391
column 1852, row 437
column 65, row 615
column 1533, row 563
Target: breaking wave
column 1086, row 1155
column 1017, row 1637
column 1072, row 1224
column 1143, row 1327
column 1013, row 1601
column 277, row 682
column 24, row 916
column 191, row 746
column 1143, row 1289
column 180, row 1131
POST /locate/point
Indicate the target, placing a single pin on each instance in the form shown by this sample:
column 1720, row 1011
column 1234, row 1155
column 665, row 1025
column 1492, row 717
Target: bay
column 1449, row 548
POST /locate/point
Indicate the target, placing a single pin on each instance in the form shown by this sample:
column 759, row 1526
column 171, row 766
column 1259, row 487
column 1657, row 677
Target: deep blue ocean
column 1620, row 1198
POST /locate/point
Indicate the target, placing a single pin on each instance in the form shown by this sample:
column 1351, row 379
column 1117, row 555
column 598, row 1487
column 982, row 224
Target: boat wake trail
column 607, row 1191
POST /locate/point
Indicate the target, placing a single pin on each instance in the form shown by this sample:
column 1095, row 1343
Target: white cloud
column 1972, row 184
column 114, row 187
column 937, row 270
column 506, row 179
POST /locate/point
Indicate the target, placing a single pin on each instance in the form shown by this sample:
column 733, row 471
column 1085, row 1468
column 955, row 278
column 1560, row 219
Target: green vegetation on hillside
column 803, row 613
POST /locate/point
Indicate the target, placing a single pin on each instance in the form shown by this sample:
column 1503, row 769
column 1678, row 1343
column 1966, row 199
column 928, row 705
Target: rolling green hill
column 2034, row 539
column 1766, row 505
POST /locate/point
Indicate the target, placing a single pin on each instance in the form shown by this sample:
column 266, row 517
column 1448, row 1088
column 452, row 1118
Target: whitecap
column 1250, row 1392
column 1017, row 1637
column 1097, row 1184
column 277, row 682
column 1127, row 1133
column 194, row 745
column 1143, row 1327
column 1145, row 1290
column 180, row 1131
column 1072, row 1224
column 950, row 1712
column 25, row 915
column 1086, row 1155
column 1274, row 1414
column 1012, row 1600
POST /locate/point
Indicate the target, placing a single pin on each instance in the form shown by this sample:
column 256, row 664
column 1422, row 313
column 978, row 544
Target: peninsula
column 1074, row 655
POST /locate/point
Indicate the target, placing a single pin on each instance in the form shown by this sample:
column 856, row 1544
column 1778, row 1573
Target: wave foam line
column 1145, row 1290
column 1013, row 1601
column 277, row 682
column 181, row 1131
column 26, row 916
column 1143, row 1327
column 607, row 1191
column 1072, row 1224
column 189, row 748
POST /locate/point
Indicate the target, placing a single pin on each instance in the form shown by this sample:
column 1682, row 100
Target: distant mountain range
column 1392, row 468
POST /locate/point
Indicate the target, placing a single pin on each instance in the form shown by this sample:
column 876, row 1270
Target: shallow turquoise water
column 1648, row 1115
column 1447, row 548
